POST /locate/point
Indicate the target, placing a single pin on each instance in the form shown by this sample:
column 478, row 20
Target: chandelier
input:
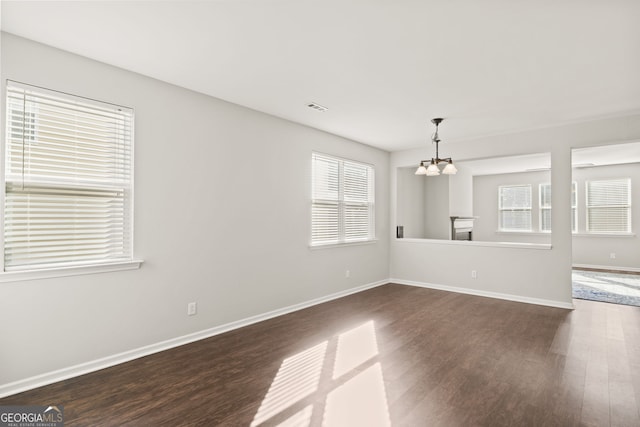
column 432, row 169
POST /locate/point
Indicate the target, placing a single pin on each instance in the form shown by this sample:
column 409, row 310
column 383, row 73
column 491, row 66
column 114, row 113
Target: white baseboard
column 116, row 359
column 508, row 297
column 607, row 267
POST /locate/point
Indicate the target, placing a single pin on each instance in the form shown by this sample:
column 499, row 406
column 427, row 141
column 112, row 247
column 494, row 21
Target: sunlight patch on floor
column 354, row 348
column 297, row 378
column 346, row 390
column 361, row 401
column 299, row 419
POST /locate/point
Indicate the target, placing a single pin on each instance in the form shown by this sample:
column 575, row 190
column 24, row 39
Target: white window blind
column 545, row 207
column 342, row 209
column 609, row 206
column 514, row 205
column 68, row 180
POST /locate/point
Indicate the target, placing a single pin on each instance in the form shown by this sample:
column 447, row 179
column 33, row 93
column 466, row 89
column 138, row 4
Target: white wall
column 222, row 217
column 595, row 251
column 437, row 224
column 522, row 273
column 425, row 204
column 461, row 193
column 410, row 206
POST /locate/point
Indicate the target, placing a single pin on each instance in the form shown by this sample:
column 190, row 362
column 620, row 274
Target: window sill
column 47, row 273
column 512, row 245
column 604, row 234
column 336, row 245
column 524, row 233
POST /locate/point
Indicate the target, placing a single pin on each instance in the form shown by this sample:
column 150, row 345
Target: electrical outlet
column 192, row 308
column 347, row 274
column 612, row 255
column 474, row 274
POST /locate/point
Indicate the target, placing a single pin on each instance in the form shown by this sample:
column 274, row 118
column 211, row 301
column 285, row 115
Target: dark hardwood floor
column 393, row 355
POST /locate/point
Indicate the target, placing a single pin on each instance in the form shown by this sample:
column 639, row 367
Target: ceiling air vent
column 317, row 107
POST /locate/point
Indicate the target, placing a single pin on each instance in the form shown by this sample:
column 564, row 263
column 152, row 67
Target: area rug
column 607, row 287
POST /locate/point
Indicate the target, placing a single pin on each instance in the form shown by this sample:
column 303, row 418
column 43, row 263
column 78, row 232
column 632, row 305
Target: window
column 514, row 205
column 609, row 206
column 68, row 180
column 545, row 207
column 342, row 209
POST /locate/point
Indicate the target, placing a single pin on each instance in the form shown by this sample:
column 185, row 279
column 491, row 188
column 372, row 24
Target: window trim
column 541, row 208
column 342, row 203
column 501, row 209
column 629, row 231
column 66, row 271
column 344, row 244
column 574, row 208
column 70, row 268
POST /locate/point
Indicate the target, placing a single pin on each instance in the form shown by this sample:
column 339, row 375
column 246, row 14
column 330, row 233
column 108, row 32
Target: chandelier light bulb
column 450, row 169
column 433, row 170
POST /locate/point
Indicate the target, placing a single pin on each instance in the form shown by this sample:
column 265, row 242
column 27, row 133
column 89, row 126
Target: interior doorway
column 606, row 247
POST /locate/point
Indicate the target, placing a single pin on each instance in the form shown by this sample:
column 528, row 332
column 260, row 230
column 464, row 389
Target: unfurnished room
column 320, row 213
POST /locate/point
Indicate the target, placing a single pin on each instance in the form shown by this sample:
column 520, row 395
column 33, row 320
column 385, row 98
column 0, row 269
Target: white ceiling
column 383, row 67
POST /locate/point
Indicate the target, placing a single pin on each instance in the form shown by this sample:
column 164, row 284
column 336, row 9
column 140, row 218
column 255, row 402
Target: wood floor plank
column 407, row 356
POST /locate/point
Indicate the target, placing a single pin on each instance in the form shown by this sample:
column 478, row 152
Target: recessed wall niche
column 426, row 204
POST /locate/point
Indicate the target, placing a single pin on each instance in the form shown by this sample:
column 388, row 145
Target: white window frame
column 574, row 207
column 37, row 270
column 502, row 209
column 341, row 203
column 543, row 208
column 627, row 206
